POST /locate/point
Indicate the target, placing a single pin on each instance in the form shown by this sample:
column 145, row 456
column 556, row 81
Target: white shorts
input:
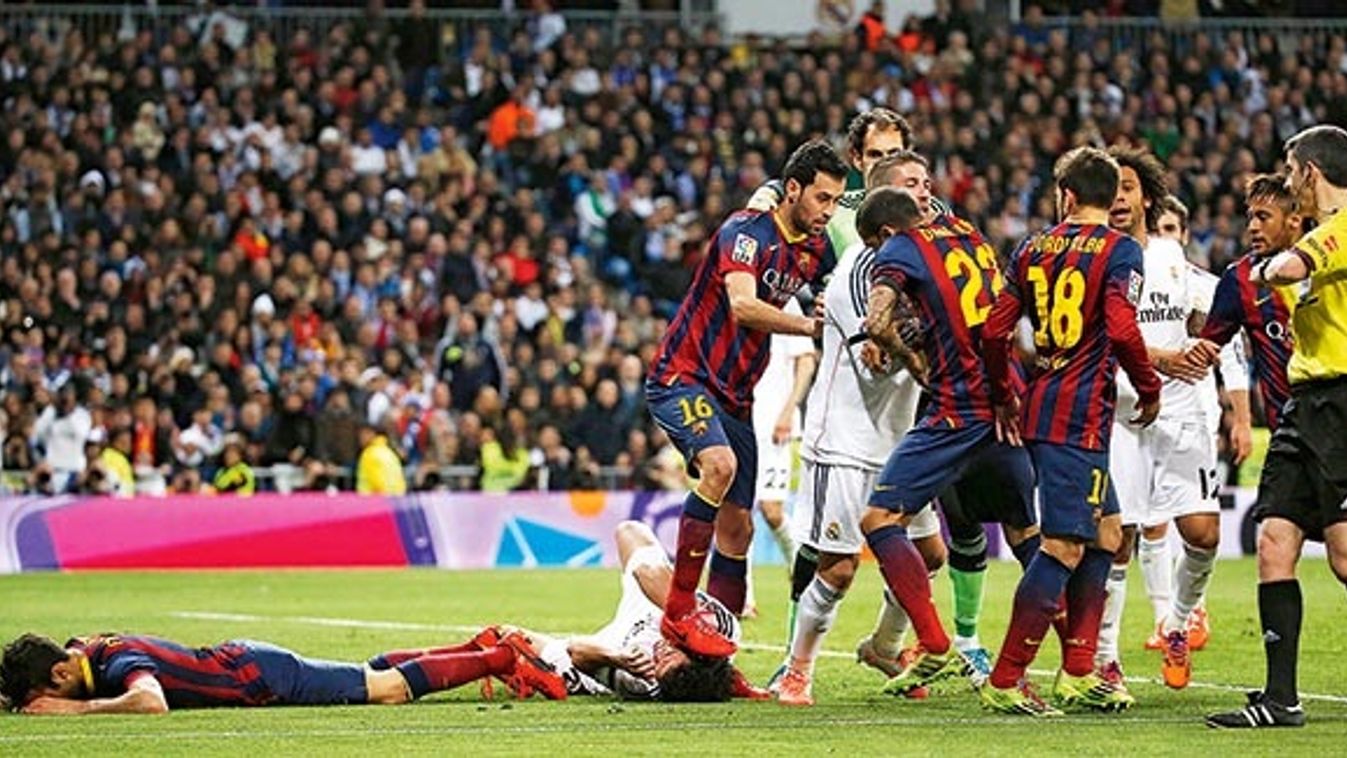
column 773, row 482
column 1164, row 471
column 831, row 502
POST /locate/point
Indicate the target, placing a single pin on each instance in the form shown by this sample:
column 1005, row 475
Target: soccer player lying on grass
column 134, row 674
column 629, row 656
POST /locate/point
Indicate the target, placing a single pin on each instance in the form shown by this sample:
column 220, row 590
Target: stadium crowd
column 223, row 249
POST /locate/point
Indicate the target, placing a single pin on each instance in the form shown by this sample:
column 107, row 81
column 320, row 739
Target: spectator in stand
column 235, row 475
column 379, row 470
column 61, row 430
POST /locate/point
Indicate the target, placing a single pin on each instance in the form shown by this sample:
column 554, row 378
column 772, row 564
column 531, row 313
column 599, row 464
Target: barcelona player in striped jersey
column 136, row 674
column 1259, row 309
column 1078, row 283
column 949, row 274
column 700, row 385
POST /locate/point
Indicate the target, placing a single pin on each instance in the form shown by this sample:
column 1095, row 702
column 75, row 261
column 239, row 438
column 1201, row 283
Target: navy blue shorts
column 929, row 460
column 1074, row 489
column 694, row 421
column 296, row 680
column 990, row 491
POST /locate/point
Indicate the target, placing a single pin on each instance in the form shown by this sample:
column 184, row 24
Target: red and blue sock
column 1025, row 551
column 388, row 660
column 728, row 580
column 433, row 673
column 905, row 574
column 1036, row 602
column 1085, row 598
column 696, row 528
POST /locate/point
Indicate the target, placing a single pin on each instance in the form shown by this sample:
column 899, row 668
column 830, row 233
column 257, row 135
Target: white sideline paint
column 408, row 626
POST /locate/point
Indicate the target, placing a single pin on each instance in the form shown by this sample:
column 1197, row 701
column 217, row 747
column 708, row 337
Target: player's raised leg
column 695, row 424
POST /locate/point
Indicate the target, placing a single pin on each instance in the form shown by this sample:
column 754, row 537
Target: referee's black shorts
column 1305, row 475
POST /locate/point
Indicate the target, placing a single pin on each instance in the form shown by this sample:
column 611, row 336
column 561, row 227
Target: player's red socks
column 905, row 573
column 728, row 581
column 696, row 528
column 1036, row 601
column 432, row 673
column 1085, row 597
column 388, row 660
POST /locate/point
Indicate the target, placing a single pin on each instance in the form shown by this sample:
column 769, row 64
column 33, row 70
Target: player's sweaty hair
column 811, row 159
column 1089, row 174
column 1152, row 175
column 876, row 118
column 26, row 666
column 1324, row 146
column 886, row 206
column 881, row 173
column 703, row 680
column 1270, row 187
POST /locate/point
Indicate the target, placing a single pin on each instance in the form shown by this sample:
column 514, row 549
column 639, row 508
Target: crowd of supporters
column 223, row 247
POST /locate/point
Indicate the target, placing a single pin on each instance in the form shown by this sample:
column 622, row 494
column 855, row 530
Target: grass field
column 351, row 615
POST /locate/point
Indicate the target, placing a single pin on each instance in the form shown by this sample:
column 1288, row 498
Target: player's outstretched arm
column 143, row 695
column 752, row 313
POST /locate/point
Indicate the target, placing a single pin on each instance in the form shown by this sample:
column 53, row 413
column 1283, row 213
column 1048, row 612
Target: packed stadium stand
column 231, row 238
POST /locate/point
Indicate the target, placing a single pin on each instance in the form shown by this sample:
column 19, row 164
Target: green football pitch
column 351, row 615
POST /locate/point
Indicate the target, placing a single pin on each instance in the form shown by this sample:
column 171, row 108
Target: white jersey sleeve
column 854, row 417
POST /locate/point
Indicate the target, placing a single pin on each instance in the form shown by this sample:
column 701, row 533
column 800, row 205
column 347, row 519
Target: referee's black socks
column 1280, row 608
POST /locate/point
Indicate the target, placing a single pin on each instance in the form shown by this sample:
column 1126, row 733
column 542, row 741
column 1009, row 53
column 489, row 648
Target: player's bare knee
column 1123, row 547
column 1154, row 532
column 878, row 518
column 933, row 551
column 838, row 570
column 1278, row 553
column 1110, row 536
column 772, row 512
column 386, row 687
column 1016, row 536
column 1067, row 551
column 718, row 466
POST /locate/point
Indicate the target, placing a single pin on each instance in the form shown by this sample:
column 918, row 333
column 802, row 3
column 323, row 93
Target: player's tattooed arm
column 882, row 328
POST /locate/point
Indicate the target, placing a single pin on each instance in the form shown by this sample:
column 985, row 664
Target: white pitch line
column 591, row 726
column 250, row 618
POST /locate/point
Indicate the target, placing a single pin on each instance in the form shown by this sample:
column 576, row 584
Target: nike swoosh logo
column 883, row 487
column 697, row 553
column 1031, row 642
column 1262, row 301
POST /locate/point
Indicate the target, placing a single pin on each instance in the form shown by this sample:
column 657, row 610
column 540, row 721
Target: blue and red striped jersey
column 1078, row 284
column 949, row 272
column 704, row 343
column 225, row 674
column 1265, row 316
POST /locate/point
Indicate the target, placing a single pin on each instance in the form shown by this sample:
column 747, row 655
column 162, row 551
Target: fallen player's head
column 690, row 679
column 34, row 666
